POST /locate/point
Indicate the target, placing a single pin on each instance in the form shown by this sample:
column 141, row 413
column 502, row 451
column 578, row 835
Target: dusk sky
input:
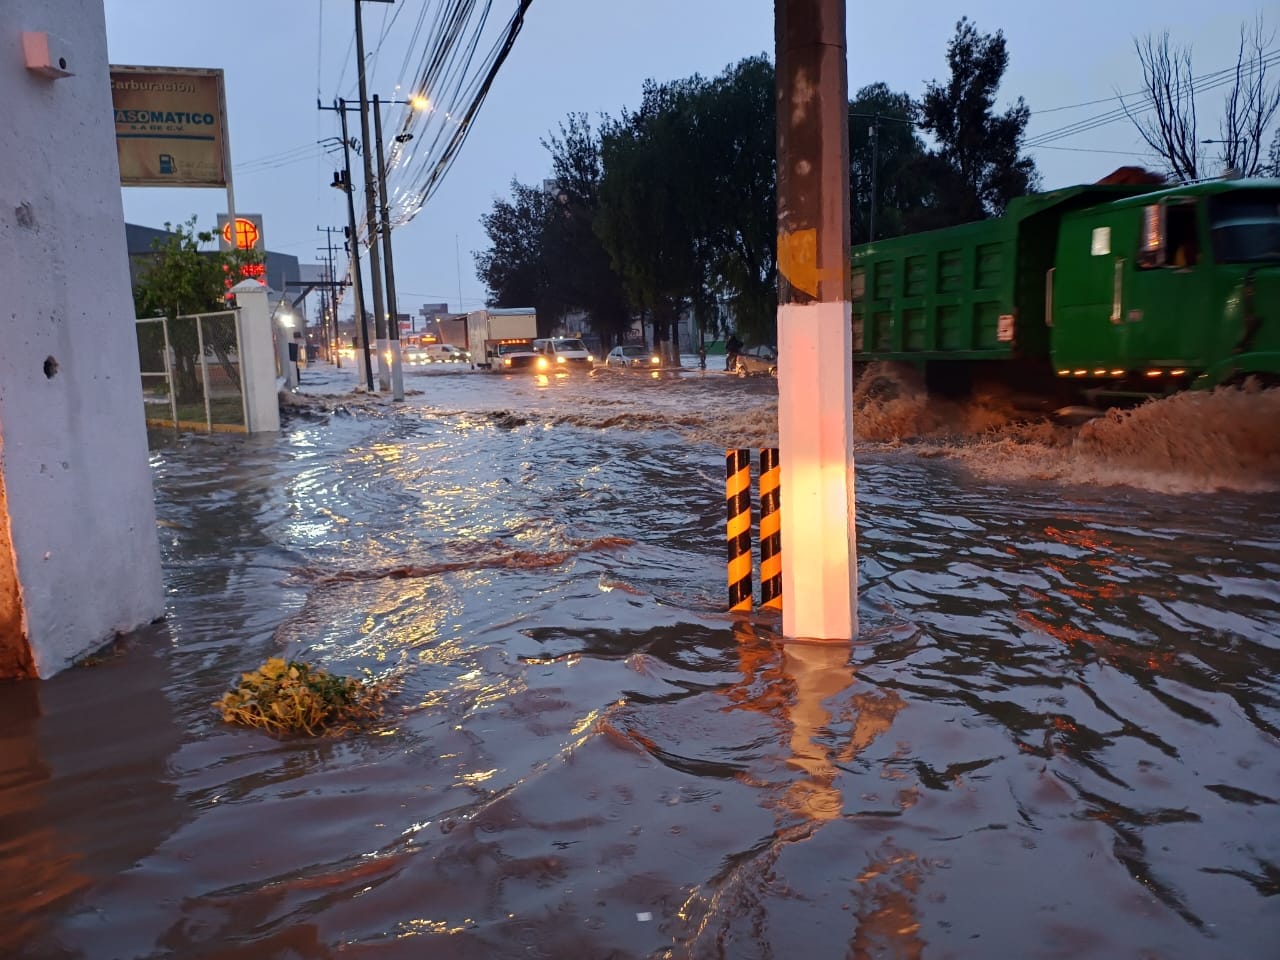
column 593, row 56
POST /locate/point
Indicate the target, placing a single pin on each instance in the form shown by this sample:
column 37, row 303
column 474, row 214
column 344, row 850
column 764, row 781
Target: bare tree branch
column 1170, row 93
column 1166, row 117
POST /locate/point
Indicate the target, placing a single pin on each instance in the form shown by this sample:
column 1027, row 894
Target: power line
column 1190, row 86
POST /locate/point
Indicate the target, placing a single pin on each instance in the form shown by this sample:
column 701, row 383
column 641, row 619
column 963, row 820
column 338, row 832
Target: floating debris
column 284, row 697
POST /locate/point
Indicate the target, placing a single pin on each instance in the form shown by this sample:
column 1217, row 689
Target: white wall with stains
column 82, row 558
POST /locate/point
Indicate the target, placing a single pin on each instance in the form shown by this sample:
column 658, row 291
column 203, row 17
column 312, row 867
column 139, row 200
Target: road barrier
column 770, row 530
column 737, row 498
column 737, row 492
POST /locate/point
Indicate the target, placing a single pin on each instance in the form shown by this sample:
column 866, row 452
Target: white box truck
column 496, row 335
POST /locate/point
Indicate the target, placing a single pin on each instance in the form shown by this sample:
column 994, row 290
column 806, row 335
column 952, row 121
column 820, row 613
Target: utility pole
column 330, row 288
column 353, row 248
column 815, row 338
column 875, row 170
column 324, row 312
column 371, row 209
column 397, row 371
column 333, row 300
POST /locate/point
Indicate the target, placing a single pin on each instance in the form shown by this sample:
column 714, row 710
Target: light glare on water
column 1056, row 734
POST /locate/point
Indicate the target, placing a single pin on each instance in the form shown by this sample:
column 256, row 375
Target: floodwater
column 1056, row 735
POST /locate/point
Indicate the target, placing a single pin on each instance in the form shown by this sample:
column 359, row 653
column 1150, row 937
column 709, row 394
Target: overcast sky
column 593, row 56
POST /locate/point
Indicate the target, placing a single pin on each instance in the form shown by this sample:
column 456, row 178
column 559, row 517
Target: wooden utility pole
column 815, row 348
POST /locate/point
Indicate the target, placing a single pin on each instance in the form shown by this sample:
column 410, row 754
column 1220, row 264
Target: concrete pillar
column 258, row 357
column 79, row 555
column 815, row 348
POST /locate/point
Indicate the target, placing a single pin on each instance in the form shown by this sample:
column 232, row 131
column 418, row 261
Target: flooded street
column 1056, row 736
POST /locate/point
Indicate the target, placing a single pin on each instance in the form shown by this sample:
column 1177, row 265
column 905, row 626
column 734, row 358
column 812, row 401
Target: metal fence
column 191, row 376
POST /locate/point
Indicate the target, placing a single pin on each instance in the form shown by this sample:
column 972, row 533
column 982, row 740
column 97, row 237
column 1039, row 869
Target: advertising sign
column 248, row 234
column 170, row 126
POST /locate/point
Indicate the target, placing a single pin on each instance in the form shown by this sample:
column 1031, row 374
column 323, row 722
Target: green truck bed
column 970, row 292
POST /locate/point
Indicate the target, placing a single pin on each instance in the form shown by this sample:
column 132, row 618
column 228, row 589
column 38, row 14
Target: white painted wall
column 73, row 446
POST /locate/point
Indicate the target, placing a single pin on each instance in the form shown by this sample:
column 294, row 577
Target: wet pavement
column 1056, row 734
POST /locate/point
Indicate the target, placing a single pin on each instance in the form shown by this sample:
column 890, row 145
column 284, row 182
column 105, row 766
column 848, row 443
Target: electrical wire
column 1188, row 87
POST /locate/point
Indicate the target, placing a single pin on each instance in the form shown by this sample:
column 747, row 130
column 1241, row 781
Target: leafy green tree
column 581, row 276
column 734, row 201
column 513, row 268
column 671, row 207
column 646, row 195
column 178, row 279
column 882, row 131
column 688, row 209
column 977, row 167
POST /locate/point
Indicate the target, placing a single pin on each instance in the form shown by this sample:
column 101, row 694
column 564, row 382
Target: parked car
column 761, row 358
column 632, row 355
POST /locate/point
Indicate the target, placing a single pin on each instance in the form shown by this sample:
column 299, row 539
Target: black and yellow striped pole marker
column 770, row 530
column 737, row 496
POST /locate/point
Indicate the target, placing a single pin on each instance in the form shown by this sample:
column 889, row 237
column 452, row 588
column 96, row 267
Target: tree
column 1167, row 115
column 733, row 136
column 647, row 200
column 581, row 273
column 977, row 166
column 687, row 201
column 513, row 268
column 544, row 251
column 671, row 208
column 1272, row 169
column 180, row 279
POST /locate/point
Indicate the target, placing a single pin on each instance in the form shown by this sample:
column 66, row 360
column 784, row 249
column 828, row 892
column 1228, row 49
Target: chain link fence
column 191, row 376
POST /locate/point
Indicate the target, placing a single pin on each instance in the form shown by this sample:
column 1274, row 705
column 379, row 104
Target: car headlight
column 655, row 360
column 506, row 361
column 542, row 363
column 559, row 359
column 590, row 358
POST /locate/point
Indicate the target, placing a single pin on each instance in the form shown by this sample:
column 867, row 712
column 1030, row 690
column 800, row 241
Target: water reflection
column 1056, row 734
column 90, row 747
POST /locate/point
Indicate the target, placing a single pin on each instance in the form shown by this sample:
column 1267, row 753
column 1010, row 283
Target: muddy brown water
column 1055, row 735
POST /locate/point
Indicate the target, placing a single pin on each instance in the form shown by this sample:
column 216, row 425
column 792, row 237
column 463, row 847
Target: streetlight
column 284, row 318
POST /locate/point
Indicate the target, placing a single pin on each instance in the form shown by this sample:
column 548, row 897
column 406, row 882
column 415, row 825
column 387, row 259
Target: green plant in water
column 285, row 697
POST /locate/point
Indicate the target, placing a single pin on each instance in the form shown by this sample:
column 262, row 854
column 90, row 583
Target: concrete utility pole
column 397, row 370
column 815, row 348
column 357, row 284
column 371, row 211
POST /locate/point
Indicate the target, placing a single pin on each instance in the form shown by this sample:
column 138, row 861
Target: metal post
column 168, row 373
column 397, row 370
column 204, row 373
column 371, row 210
column 815, row 341
column 226, row 168
column 357, row 285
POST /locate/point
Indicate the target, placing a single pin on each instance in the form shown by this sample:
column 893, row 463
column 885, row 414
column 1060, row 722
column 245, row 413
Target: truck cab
column 1170, row 289
column 503, row 356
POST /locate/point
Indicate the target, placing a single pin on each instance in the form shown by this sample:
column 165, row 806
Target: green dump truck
column 1103, row 292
